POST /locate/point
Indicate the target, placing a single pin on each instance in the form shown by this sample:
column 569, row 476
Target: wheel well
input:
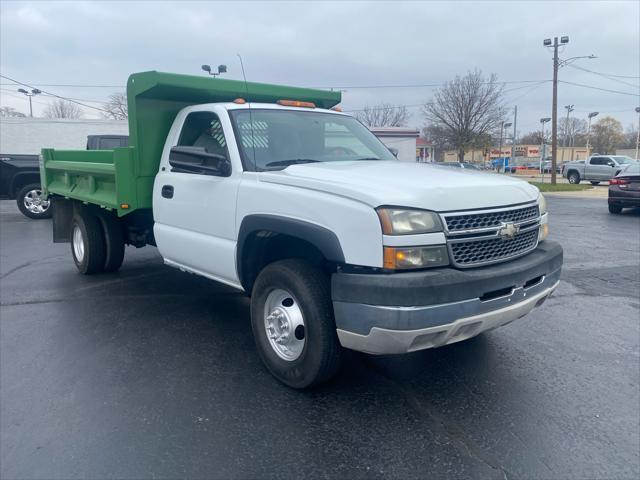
column 573, row 170
column 23, row 179
column 263, row 247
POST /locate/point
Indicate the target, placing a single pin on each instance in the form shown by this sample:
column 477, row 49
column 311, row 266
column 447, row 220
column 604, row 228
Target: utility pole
column 554, row 114
column 554, row 106
column 513, row 142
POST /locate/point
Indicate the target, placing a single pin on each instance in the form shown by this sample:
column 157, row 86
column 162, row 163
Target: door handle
column 167, row 191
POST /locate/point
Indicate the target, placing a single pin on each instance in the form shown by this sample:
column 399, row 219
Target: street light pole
column 33, row 92
column 638, row 134
column 590, row 116
column 513, row 141
column 554, row 105
column 502, row 127
column 566, row 130
column 542, row 149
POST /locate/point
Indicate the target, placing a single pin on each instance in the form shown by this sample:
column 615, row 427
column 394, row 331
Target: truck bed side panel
column 100, row 177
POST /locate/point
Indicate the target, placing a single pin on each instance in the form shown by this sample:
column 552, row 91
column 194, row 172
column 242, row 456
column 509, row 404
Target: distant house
column 400, row 139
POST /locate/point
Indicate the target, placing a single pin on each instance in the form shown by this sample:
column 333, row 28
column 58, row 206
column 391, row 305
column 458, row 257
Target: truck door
column 194, row 213
column 597, row 169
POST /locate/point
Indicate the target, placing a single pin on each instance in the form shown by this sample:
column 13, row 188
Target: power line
column 54, row 95
column 608, row 77
column 598, row 88
column 608, row 74
column 72, row 85
column 353, row 87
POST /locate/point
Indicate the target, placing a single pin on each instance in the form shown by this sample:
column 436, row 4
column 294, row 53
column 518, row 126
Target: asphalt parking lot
column 152, row 373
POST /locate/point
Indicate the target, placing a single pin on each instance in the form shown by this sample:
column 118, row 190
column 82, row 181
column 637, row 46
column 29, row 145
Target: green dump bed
column 122, row 179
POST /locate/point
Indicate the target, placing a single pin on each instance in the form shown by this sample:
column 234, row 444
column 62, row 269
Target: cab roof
column 155, row 98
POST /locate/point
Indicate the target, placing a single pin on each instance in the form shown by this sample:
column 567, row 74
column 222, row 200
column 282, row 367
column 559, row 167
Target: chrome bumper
column 385, row 341
column 404, row 312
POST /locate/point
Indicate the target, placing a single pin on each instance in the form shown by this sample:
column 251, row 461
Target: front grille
column 472, row 221
column 485, row 251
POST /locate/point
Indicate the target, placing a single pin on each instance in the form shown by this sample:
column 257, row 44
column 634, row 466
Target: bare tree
column 60, row 108
column 116, row 107
column 10, row 112
column 630, row 137
column 606, row 135
column 383, row 115
column 572, row 132
column 466, row 108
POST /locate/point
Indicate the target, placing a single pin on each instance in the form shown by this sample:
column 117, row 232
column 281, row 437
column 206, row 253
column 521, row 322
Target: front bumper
column 405, row 312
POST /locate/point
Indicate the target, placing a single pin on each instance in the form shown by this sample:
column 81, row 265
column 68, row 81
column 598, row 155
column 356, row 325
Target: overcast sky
column 325, row 44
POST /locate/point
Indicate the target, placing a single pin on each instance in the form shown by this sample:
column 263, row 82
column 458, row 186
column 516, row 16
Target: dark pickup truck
column 20, row 176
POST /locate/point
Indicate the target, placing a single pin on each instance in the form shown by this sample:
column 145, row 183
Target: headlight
column 399, row 258
column 542, row 204
column 397, row 221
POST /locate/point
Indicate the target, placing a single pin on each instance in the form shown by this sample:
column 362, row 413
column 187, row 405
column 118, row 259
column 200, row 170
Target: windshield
column 623, row 160
column 274, row 139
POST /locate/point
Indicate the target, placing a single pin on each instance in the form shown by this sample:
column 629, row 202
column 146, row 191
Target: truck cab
column 274, row 192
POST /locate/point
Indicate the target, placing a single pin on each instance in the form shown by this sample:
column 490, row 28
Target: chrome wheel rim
column 34, row 202
column 78, row 244
column 284, row 325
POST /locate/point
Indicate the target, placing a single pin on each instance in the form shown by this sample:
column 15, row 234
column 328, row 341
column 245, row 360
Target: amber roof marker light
column 296, row 103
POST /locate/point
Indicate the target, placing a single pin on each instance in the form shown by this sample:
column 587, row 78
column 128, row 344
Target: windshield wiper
column 366, row 158
column 293, row 161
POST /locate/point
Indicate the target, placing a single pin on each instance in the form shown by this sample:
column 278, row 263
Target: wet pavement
column 152, row 373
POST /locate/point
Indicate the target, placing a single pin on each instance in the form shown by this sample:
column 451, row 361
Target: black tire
column 613, row 208
column 113, row 242
column 574, row 178
column 321, row 356
column 92, row 237
column 595, row 183
column 22, row 199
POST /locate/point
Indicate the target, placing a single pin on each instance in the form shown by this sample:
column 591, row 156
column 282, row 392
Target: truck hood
column 416, row 185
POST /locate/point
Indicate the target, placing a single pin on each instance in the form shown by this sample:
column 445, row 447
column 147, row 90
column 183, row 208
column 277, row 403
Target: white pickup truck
column 339, row 244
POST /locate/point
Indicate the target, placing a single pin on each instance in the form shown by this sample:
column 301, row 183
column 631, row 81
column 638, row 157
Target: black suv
column 20, row 176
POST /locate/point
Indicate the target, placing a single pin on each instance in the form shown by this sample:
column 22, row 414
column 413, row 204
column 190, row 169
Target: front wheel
column 574, row 178
column 293, row 325
column 30, row 202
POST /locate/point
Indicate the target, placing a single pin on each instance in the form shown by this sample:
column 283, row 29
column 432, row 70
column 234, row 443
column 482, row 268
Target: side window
column 203, row 129
column 109, row 143
column 598, row 161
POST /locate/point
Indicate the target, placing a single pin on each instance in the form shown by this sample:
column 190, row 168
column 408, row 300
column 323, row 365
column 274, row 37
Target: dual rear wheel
column 97, row 242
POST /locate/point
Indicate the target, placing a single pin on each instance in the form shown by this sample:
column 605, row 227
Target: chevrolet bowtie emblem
column 508, row 230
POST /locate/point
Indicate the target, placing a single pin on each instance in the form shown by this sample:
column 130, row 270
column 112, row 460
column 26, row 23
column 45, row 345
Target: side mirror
column 611, row 163
column 197, row 160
